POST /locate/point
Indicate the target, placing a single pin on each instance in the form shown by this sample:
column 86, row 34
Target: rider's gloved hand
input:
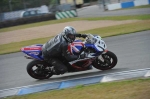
column 84, row 35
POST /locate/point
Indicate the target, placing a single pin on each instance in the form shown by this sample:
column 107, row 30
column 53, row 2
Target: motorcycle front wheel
column 110, row 61
column 38, row 70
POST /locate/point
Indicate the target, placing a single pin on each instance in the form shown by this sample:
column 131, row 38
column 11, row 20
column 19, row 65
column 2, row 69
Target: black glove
column 83, row 35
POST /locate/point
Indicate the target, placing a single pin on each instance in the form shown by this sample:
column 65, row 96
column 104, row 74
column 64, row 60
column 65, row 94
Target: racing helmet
column 69, row 33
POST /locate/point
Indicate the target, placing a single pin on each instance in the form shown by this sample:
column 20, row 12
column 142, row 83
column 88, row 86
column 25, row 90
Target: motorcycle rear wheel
column 38, row 70
column 110, row 61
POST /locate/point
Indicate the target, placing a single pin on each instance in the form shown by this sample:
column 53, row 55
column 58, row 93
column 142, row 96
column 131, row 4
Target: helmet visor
column 71, row 37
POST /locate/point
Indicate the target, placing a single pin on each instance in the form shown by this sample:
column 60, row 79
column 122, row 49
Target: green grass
column 131, row 17
column 121, row 29
column 128, row 89
column 37, row 24
column 103, row 32
column 16, row 46
column 128, row 17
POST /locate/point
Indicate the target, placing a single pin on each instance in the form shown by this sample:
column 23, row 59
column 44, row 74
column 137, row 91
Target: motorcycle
column 93, row 48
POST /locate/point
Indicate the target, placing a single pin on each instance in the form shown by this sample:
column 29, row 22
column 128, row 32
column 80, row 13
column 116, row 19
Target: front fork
column 100, row 57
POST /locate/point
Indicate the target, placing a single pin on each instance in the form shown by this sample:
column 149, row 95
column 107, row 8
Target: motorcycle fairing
column 75, row 47
column 34, row 51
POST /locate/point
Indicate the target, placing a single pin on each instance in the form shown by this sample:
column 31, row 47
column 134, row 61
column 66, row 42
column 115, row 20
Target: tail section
column 33, row 51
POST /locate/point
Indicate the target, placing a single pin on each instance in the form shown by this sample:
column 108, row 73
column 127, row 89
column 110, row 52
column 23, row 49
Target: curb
column 74, row 82
column 128, row 4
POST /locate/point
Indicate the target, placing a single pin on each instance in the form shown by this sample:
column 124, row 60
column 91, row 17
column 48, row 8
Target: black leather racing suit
column 55, row 49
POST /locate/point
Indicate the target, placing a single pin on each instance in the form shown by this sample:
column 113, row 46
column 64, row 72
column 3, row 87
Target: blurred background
column 28, row 11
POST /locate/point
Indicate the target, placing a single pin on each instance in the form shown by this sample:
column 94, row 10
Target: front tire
column 38, row 70
column 110, row 61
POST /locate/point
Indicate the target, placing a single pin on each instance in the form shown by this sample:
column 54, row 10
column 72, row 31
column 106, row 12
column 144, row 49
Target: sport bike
column 92, row 47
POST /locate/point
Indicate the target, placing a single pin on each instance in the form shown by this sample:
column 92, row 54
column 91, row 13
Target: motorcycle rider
column 56, row 48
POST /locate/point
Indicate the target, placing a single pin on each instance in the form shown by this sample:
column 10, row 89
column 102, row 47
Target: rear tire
column 38, row 70
column 110, row 61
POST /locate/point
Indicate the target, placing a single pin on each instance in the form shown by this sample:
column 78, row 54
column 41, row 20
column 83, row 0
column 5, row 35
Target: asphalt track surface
column 96, row 10
column 132, row 51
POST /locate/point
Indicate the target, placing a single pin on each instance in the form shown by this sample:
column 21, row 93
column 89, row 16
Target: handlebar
column 90, row 39
column 90, row 36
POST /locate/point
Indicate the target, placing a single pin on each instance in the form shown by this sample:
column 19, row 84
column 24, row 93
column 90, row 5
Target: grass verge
column 131, row 17
column 128, row 89
column 121, row 29
column 103, row 32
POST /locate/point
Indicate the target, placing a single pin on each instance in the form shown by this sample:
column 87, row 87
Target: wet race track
column 132, row 51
